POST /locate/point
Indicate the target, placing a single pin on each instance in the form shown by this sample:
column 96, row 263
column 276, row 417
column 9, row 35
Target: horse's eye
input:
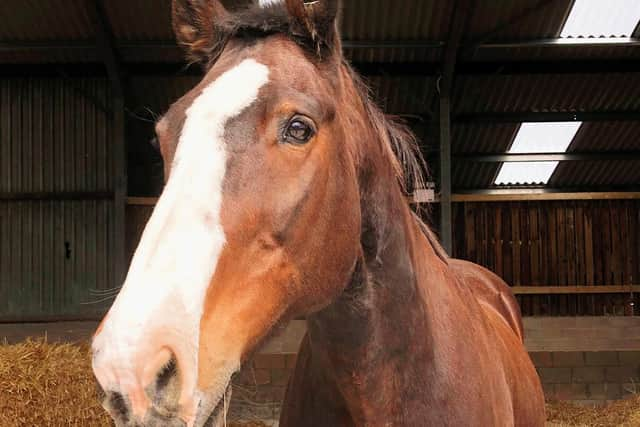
column 298, row 131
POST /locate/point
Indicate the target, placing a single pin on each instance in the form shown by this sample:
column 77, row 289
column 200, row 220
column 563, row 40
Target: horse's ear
column 318, row 20
column 196, row 24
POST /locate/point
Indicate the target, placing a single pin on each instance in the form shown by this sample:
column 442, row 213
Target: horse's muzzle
column 129, row 404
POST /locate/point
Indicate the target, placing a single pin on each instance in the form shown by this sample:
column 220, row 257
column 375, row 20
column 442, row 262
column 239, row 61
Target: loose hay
column 43, row 384
column 623, row 413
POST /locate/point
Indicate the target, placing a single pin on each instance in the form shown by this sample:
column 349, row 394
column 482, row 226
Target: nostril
column 117, row 406
column 165, row 376
column 165, row 390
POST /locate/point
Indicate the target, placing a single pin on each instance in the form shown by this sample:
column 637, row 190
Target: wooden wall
column 556, row 243
column 542, row 243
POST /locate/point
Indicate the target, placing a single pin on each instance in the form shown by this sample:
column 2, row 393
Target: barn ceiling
column 509, row 69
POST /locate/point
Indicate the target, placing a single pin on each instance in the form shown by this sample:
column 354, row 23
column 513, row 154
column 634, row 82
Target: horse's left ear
column 317, row 20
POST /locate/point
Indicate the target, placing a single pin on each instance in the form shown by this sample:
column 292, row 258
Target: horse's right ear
column 196, row 24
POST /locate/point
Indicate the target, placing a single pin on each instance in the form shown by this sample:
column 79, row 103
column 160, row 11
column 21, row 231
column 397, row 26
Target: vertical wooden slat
column 534, row 255
column 515, row 247
column 497, row 234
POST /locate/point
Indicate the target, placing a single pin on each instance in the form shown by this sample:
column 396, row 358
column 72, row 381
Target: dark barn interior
column 82, row 82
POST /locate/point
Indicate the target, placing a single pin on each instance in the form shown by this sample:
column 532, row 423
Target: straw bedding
column 43, row 384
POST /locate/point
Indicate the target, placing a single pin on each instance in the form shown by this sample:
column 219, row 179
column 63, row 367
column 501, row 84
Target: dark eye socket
column 298, row 131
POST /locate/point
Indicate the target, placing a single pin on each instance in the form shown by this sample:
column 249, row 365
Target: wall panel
column 556, row 243
column 56, row 253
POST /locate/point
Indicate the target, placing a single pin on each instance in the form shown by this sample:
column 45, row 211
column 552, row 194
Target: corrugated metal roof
column 140, row 20
column 482, row 137
column 601, row 136
column 479, row 138
column 408, row 95
column 544, row 22
column 388, row 20
column 36, row 20
column 596, row 174
column 547, row 92
column 370, row 20
column 559, row 52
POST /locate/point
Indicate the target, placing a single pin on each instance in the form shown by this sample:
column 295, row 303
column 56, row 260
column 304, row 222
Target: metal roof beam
column 520, row 117
column 548, row 157
column 499, row 59
column 463, row 10
column 478, row 42
column 106, row 47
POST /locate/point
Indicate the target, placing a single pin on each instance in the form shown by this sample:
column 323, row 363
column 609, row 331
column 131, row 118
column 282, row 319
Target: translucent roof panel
column 536, row 138
column 525, row 173
column 546, row 137
column 602, row 18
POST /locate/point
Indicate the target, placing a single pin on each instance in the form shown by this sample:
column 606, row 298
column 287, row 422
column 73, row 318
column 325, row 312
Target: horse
column 285, row 198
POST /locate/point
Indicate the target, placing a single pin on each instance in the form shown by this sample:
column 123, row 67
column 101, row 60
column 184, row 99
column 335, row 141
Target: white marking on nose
column 161, row 302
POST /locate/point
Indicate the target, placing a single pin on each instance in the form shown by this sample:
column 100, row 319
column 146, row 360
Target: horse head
column 260, row 219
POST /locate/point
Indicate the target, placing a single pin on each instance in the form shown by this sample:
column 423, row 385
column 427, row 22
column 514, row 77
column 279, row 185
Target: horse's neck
column 376, row 339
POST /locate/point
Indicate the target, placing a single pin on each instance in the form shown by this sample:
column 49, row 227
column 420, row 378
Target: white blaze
column 173, row 265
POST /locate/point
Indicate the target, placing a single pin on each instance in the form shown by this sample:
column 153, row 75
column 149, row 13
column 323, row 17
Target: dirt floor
column 51, row 384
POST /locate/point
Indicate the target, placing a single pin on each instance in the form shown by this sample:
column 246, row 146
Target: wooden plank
column 142, row 201
column 534, row 254
column 507, row 248
column 580, row 249
column 570, row 254
column 535, row 195
column 562, row 305
column 499, row 241
column 553, row 245
column 516, row 243
column 574, row 289
column 57, row 195
column 466, row 198
column 470, row 238
column 515, row 197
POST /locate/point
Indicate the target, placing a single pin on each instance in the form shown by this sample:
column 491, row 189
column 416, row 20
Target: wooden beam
column 548, row 157
column 142, row 201
column 462, row 11
column 57, row 196
column 574, row 289
column 459, row 198
column 106, row 45
column 548, row 116
column 536, row 195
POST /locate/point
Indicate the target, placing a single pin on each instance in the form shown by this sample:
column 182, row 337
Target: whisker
column 105, row 291
column 98, row 300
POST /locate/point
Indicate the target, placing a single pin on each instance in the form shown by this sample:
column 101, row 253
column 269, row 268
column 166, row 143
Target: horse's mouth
column 206, row 417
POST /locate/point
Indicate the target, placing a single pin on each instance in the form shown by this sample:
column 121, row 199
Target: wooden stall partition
column 570, row 243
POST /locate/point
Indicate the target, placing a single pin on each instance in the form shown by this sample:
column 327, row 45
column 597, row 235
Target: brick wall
column 587, row 360
column 585, row 377
column 259, row 388
column 589, row 377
